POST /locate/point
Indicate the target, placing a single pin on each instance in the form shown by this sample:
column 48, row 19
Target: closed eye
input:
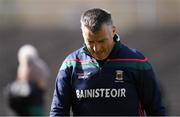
column 101, row 41
column 90, row 42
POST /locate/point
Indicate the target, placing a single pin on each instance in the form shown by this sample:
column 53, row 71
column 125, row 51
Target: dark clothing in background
column 25, row 98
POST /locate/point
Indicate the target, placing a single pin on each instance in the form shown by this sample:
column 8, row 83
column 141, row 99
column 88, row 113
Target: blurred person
column 25, row 95
column 105, row 77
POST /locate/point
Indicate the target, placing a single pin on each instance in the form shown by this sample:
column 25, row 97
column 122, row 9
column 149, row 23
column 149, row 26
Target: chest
column 117, row 81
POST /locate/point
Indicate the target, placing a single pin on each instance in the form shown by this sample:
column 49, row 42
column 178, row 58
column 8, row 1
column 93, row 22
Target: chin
column 99, row 57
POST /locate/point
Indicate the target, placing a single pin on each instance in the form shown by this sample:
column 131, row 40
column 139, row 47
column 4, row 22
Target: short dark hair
column 94, row 18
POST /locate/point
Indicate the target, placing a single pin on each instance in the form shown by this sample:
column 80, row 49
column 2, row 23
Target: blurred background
column 53, row 27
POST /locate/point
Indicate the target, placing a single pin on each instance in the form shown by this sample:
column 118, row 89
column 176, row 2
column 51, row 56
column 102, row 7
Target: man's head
column 27, row 52
column 98, row 32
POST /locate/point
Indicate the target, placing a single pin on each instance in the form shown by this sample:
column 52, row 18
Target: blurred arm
column 61, row 101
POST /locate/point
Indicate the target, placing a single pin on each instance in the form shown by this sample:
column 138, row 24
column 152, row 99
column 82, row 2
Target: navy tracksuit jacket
column 124, row 85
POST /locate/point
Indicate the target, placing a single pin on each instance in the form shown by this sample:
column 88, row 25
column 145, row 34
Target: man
column 105, row 77
column 26, row 94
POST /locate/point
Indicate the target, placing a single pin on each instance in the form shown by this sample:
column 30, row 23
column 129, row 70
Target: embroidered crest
column 119, row 75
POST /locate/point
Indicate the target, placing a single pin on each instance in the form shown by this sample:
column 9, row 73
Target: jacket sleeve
column 61, row 101
column 150, row 93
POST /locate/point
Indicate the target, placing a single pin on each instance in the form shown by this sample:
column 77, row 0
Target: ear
column 114, row 30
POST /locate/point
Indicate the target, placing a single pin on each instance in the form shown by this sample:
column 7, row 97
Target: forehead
column 105, row 30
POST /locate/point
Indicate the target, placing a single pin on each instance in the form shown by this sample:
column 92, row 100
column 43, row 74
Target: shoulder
column 131, row 58
column 73, row 58
column 131, row 53
column 77, row 54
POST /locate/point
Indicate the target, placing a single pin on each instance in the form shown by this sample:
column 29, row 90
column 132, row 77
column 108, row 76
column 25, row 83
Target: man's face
column 100, row 43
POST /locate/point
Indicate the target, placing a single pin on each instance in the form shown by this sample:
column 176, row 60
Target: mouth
column 99, row 54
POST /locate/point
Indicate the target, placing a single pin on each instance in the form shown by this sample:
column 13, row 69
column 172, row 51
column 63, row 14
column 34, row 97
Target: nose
column 96, row 48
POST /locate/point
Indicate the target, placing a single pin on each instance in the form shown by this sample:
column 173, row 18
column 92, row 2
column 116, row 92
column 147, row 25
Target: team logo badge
column 119, row 75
